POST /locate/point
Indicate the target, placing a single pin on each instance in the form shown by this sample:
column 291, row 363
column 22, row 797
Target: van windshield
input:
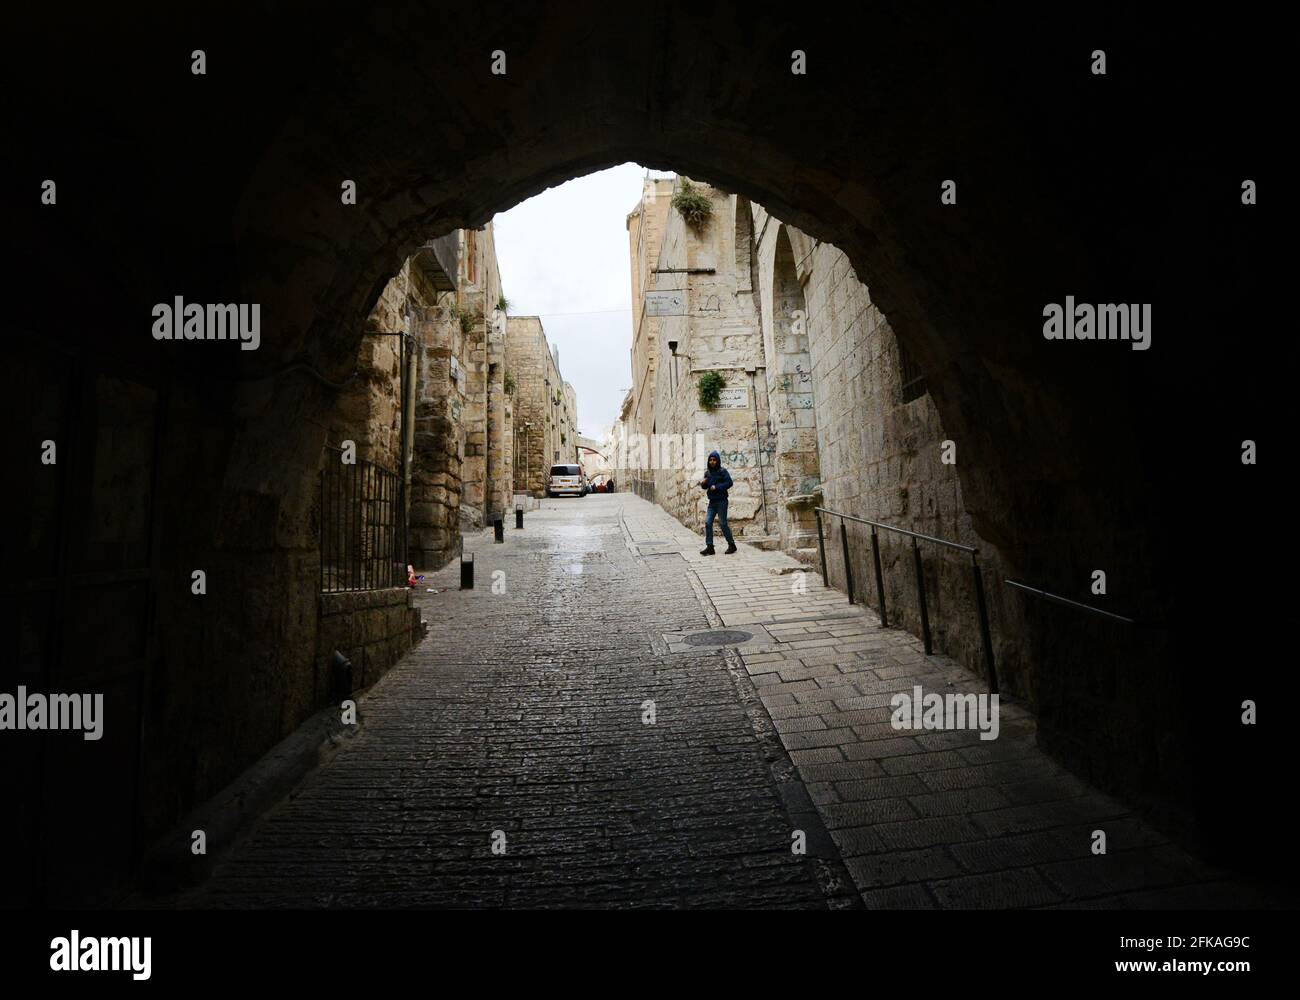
column 566, row 470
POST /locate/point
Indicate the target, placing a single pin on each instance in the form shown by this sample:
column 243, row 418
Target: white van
column 567, row 479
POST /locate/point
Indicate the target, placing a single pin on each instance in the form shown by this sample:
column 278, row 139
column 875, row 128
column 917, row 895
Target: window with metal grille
column 362, row 526
column 910, row 376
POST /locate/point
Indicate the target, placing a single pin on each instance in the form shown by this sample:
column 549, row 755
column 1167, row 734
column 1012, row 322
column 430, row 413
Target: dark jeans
column 717, row 508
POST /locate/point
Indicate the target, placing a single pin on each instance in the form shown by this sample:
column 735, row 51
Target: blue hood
column 713, row 454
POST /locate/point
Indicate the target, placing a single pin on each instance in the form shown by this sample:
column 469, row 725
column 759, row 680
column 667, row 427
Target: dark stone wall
column 1074, row 457
column 373, row 629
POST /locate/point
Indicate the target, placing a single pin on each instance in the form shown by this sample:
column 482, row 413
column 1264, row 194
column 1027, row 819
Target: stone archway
column 790, row 394
column 1065, row 465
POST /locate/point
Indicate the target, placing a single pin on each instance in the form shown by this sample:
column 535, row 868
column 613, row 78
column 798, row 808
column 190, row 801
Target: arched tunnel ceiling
column 1068, row 183
column 1122, row 188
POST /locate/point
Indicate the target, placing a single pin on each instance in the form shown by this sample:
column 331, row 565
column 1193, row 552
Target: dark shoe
column 707, row 551
column 730, row 549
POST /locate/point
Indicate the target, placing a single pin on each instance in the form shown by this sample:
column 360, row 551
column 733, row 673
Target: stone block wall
column 645, row 228
column 718, row 331
column 368, row 410
column 568, row 423
column 372, row 628
column 781, row 258
column 881, row 458
column 439, row 445
column 543, row 418
column 526, row 356
column 478, row 294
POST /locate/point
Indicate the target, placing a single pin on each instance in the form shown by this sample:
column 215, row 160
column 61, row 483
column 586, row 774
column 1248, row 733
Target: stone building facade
column 459, row 447
column 544, row 418
column 369, row 405
column 439, row 446
column 878, row 447
column 698, row 298
column 787, row 331
column 821, row 409
column 478, row 300
column 615, row 445
column 645, row 232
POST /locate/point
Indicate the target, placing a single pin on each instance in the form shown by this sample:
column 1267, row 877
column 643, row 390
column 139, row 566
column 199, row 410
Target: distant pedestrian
column 715, row 483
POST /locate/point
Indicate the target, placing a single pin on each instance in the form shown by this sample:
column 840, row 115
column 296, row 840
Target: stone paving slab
column 935, row 819
column 523, row 713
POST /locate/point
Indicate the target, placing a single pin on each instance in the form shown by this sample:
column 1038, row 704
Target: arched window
column 787, row 298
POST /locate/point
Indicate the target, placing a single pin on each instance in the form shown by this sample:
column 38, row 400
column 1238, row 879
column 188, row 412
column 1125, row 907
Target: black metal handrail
column 976, row 576
column 1058, row 599
column 901, row 531
column 362, row 525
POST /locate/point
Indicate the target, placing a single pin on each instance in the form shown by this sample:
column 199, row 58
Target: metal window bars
column 362, row 525
column 911, row 378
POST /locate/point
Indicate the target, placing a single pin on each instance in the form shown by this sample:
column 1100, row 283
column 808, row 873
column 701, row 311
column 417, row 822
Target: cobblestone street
column 522, row 712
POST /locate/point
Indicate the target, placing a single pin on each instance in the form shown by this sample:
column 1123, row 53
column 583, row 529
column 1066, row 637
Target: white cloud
column 563, row 256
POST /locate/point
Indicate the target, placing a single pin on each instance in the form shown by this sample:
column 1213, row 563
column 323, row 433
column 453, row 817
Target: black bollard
column 467, row 571
column 519, row 517
column 340, row 676
column 498, row 530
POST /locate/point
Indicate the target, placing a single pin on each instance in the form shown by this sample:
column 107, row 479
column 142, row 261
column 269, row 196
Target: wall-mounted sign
column 457, row 374
column 733, row 399
column 665, row 303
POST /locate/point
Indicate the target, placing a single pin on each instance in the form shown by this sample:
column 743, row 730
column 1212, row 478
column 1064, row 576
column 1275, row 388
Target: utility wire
column 589, row 312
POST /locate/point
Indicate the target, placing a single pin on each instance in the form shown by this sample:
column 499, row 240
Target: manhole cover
column 718, row 637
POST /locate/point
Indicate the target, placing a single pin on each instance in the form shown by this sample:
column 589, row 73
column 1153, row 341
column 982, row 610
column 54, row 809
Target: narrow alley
column 511, row 759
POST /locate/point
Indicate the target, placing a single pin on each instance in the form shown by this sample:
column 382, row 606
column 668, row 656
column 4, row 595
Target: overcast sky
column 563, row 256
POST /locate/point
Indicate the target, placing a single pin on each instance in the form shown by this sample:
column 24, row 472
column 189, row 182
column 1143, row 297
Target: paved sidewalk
column 927, row 819
column 522, row 715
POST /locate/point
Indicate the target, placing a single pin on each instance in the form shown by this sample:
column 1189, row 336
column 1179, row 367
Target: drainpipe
column 488, row 491
column 758, row 442
column 408, row 369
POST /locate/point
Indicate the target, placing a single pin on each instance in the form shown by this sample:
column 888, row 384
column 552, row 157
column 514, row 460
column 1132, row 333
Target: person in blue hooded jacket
column 715, row 483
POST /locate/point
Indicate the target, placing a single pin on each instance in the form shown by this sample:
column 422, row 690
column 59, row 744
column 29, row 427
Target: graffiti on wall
column 744, row 459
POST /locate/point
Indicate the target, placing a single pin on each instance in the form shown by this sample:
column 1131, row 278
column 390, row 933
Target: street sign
column 666, row 303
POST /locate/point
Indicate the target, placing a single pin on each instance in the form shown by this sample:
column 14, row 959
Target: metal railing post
column 920, row 598
column 821, row 546
column 323, row 545
column 848, row 568
column 982, row 607
column 880, row 579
